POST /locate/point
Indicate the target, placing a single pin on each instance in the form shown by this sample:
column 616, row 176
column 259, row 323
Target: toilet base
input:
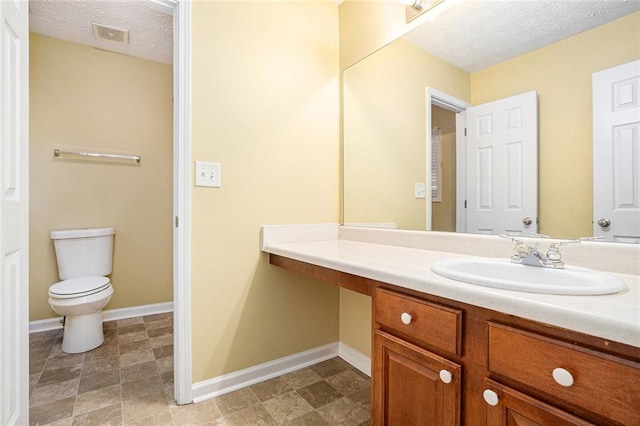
column 82, row 333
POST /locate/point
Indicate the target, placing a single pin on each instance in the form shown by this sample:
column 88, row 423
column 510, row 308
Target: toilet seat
column 78, row 287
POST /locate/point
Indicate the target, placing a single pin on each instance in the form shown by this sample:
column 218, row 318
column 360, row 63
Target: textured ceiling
column 150, row 30
column 475, row 34
column 471, row 34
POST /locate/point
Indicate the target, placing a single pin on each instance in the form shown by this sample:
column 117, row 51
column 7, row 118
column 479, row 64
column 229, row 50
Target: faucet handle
column 554, row 255
column 520, row 250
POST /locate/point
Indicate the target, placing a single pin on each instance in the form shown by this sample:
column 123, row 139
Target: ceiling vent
column 106, row 32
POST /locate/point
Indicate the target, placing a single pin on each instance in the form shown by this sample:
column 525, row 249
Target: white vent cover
column 110, row 33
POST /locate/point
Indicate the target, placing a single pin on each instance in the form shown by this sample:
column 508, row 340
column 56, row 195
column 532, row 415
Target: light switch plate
column 420, row 190
column 207, row 174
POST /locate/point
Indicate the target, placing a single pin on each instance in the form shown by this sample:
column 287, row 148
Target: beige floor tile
column 330, row 367
column 145, row 406
column 140, row 346
column 301, row 378
column 164, row 340
column 141, row 387
column 157, row 317
column 93, row 366
column 310, row 419
column 319, row 394
column 130, row 379
column 51, row 412
column 133, row 328
column 106, row 416
column 345, row 412
column 65, row 360
column 287, row 407
column 161, row 331
column 347, row 382
column 160, row 323
column 161, row 418
column 99, row 381
column 235, row 401
column 205, row 412
column 139, row 371
column 54, row 392
column 255, row 415
column 163, row 351
column 130, row 321
column 133, row 337
column 271, row 388
column 58, row 375
column 165, row 364
column 133, row 358
column 97, row 399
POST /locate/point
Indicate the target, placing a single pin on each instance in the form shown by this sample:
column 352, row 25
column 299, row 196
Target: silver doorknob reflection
column 527, row 220
column 604, row 222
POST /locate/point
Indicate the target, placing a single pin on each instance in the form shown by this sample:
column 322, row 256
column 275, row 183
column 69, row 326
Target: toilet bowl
column 84, row 258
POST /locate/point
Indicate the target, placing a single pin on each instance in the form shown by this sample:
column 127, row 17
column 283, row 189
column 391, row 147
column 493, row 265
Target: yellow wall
column 96, row 100
column 384, row 145
column 366, row 26
column 266, row 106
column 374, row 168
column 561, row 74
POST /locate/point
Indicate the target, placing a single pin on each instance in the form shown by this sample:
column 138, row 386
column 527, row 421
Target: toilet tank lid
column 82, row 233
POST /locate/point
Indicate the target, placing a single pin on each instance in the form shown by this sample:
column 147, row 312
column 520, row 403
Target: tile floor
column 129, row 380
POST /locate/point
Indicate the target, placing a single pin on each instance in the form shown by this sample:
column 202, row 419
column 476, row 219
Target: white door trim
column 14, row 213
column 181, row 10
column 451, row 103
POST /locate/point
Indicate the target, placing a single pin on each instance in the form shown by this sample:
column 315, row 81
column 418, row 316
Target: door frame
column 181, row 11
column 451, row 103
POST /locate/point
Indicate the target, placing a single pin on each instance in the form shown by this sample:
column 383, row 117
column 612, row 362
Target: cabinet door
column 412, row 386
column 517, row 409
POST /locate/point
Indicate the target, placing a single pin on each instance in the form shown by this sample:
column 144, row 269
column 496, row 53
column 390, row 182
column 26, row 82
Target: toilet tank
column 84, row 252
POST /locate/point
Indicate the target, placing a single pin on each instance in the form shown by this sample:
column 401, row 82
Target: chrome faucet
column 525, row 254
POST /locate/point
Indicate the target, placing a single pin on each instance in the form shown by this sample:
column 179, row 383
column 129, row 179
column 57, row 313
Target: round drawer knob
column 406, row 318
column 490, row 397
column 446, row 376
column 562, row 377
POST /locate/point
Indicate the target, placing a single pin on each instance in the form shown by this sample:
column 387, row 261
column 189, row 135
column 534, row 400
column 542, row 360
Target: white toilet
column 85, row 257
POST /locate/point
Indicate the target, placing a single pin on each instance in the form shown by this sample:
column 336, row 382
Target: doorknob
column 527, row 221
column 604, row 222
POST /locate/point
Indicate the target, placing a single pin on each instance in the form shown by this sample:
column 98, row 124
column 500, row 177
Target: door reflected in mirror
column 387, row 131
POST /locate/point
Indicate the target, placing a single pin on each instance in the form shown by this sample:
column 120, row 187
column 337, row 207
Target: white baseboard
column 220, row 385
column 108, row 315
column 355, row 358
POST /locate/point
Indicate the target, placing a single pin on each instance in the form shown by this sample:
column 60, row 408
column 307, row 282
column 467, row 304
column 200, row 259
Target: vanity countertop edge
column 398, row 262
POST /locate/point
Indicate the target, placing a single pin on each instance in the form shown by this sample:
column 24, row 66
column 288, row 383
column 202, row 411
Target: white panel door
column 14, row 213
column 502, row 166
column 616, row 153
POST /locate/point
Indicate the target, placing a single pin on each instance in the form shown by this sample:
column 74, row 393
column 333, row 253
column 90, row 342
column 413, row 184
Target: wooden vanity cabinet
column 411, row 384
column 437, row 361
column 514, row 408
column 515, row 360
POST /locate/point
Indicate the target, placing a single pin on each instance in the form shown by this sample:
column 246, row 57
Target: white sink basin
column 502, row 273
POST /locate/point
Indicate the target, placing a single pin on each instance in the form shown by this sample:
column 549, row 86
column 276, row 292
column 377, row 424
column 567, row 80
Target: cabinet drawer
column 600, row 383
column 418, row 321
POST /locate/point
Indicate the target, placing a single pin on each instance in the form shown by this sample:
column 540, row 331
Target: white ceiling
column 470, row 34
column 475, row 34
column 150, row 29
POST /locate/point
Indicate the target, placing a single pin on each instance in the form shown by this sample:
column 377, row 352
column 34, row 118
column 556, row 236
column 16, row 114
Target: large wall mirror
column 407, row 162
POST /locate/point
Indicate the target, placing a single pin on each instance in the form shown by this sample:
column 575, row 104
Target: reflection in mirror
column 387, row 128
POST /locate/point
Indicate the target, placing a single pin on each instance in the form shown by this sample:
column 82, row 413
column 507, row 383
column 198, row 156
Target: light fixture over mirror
column 415, row 8
column 477, row 56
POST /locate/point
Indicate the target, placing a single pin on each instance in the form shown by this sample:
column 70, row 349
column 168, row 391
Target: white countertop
column 615, row 317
